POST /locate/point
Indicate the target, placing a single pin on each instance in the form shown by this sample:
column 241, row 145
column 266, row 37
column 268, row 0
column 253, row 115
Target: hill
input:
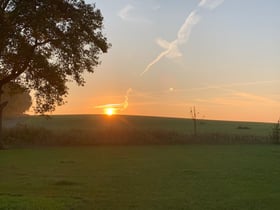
column 121, row 129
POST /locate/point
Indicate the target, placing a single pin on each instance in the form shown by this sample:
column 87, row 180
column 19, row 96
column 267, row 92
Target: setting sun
column 109, row 111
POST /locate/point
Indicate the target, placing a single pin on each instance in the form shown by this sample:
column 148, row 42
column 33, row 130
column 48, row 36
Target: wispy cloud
column 127, row 14
column 125, row 103
column 156, row 7
column 119, row 107
column 240, row 99
column 172, row 48
column 210, row 4
column 227, row 86
column 182, row 36
column 124, row 13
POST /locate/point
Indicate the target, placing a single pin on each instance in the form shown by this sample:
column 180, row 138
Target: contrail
column 210, row 4
column 119, row 107
column 125, row 103
column 171, row 48
column 155, row 61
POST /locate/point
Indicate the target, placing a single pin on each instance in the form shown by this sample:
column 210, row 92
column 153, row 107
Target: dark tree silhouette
column 19, row 100
column 45, row 43
column 194, row 114
column 276, row 132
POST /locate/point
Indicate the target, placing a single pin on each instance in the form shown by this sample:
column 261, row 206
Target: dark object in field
column 65, row 183
column 67, row 161
column 243, row 127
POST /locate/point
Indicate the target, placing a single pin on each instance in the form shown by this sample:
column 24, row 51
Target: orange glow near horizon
column 109, row 111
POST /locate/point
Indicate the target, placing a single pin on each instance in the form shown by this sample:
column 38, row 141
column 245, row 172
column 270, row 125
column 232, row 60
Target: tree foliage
column 45, row 43
column 19, row 100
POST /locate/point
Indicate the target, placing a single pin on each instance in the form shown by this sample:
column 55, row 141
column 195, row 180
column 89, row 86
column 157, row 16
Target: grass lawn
column 141, row 177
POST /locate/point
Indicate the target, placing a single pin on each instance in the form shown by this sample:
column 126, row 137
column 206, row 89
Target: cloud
column 126, row 14
column 172, row 48
column 255, row 98
column 156, row 7
column 118, row 107
column 185, row 30
column 125, row 103
column 157, row 59
column 240, row 84
column 210, row 4
column 240, row 99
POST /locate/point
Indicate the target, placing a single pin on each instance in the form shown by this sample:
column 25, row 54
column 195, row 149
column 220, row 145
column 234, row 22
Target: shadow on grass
column 65, row 183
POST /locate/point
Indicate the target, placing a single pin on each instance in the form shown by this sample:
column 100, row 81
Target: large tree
column 19, row 100
column 45, row 43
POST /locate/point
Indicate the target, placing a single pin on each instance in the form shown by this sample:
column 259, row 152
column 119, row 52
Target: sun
column 109, row 111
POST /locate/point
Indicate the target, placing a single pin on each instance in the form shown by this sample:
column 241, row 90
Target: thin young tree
column 276, row 132
column 45, row 43
column 194, row 114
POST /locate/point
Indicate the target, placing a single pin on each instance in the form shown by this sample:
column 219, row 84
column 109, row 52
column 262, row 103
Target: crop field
column 181, row 125
column 131, row 130
column 195, row 177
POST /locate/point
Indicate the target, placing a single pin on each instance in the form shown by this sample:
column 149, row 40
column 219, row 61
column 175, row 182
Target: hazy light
column 109, row 111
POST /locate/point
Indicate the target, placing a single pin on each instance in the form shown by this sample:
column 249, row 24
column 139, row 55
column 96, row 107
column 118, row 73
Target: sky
column 221, row 56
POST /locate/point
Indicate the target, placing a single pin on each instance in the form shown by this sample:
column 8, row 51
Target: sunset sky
column 221, row 56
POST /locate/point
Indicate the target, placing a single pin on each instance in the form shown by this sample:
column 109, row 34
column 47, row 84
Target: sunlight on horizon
column 109, row 111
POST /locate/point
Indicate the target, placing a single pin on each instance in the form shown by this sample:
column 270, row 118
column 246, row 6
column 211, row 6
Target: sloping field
column 181, row 125
column 118, row 129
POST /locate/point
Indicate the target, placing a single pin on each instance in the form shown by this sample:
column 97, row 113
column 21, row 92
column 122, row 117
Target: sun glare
column 109, row 111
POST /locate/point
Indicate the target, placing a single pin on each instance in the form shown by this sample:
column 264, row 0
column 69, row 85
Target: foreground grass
column 143, row 177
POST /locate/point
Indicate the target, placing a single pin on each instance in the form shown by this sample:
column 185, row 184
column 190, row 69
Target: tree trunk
column 194, row 118
column 2, row 106
column 195, row 127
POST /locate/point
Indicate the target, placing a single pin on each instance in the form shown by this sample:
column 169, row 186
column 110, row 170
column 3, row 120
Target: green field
column 181, row 125
column 141, row 177
column 70, row 130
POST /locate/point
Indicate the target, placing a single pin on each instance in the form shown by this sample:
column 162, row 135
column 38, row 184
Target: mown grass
column 195, row 177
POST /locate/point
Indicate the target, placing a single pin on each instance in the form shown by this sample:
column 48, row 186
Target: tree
column 19, row 100
column 276, row 132
column 194, row 114
column 45, row 43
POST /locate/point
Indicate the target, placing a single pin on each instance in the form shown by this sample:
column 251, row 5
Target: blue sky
column 226, row 61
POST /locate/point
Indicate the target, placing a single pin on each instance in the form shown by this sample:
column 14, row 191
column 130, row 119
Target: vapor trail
column 125, row 103
column 210, row 4
column 171, row 48
column 119, row 107
column 158, row 58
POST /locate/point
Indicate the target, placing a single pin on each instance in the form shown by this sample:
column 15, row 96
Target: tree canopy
column 19, row 100
column 45, row 43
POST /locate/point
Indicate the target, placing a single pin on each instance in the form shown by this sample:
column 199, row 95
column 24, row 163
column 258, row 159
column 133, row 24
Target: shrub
column 276, row 132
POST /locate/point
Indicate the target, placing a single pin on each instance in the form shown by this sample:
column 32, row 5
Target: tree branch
column 3, row 105
column 45, row 42
column 14, row 74
column 4, row 4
